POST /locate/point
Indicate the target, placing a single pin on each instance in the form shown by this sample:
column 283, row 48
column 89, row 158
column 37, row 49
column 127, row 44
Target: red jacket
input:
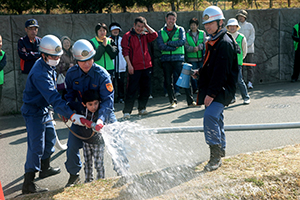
column 136, row 47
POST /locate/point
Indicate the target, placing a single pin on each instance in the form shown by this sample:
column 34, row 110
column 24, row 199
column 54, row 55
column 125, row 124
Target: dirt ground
column 271, row 174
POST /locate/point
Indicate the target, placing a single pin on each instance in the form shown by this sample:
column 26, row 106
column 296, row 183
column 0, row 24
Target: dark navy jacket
column 96, row 79
column 40, row 92
column 28, row 57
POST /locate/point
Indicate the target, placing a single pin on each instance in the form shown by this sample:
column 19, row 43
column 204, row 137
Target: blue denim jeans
column 214, row 125
column 242, row 85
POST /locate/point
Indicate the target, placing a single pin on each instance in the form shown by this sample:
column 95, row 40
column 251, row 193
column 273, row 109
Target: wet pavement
column 276, row 103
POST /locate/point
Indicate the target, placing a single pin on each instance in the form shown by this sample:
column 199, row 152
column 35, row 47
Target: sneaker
column 247, row 101
column 143, row 112
column 232, row 101
column 177, row 94
column 250, row 86
column 126, row 116
column 293, row 80
column 173, row 105
column 73, row 180
column 193, row 104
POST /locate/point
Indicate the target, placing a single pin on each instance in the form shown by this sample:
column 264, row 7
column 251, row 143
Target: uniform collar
column 90, row 73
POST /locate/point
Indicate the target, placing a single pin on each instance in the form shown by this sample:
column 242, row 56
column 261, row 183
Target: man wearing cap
column 28, row 46
column 40, row 92
column 248, row 31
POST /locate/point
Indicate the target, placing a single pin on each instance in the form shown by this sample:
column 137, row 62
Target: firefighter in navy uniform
column 40, row 92
column 87, row 75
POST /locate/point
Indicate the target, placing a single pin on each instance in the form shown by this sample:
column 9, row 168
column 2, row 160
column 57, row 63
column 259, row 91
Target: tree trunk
column 150, row 8
column 177, row 4
column 289, row 3
column 124, row 9
column 271, row 4
column 173, row 6
column 47, row 7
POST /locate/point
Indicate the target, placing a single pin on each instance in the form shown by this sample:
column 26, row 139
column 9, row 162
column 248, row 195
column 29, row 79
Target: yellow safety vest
column 105, row 61
column 191, row 42
column 2, row 72
column 239, row 40
column 297, row 30
column 165, row 37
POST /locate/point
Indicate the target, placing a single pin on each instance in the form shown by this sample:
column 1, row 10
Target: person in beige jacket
column 233, row 27
column 248, row 31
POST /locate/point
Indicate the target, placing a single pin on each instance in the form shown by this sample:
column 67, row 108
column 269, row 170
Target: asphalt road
column 271, row 103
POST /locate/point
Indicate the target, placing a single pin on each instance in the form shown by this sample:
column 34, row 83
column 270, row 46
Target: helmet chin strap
column 218, row 22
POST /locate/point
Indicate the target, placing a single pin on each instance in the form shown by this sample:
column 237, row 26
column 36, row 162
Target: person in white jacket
column 233, row 27
column 119, row 62
column 248, row 31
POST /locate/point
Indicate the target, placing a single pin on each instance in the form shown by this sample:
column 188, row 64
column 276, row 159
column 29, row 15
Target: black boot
column 73, row 180
column 222, row 152
column 46, row 170
column 215, row 158
column 29, row 186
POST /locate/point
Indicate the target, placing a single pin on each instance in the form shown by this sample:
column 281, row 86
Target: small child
column 2, row 65
column 93, row 148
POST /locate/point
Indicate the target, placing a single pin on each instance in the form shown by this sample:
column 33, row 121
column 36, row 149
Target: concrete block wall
column 274, row 52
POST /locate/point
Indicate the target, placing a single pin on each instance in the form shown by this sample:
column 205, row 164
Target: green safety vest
column 105, row 61
column 165, row 37
column 2, row 72
column 297, row 30
column 239, row 40
column 191, row 42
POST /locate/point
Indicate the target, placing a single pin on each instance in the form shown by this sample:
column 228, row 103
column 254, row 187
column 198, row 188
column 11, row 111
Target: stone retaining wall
column 274, row 52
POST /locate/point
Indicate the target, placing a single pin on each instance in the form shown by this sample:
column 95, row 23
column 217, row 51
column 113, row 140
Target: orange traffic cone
column 1, row 193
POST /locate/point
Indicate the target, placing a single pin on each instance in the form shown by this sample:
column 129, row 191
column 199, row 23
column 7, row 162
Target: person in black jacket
column 217, row 82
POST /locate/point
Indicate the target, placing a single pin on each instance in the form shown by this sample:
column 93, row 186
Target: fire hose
column 240, row 127
column 95, row 127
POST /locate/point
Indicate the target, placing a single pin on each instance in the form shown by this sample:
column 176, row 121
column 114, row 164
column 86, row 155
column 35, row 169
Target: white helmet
column 212, row 13
column 233, row 22
column 83, row 50
column 51, row 45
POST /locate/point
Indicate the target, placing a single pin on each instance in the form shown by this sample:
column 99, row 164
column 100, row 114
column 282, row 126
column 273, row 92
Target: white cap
column 233, row 22
column 115, row 27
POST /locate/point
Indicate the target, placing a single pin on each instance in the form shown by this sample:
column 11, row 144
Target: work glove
column 75, row 118
column 99, row 121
